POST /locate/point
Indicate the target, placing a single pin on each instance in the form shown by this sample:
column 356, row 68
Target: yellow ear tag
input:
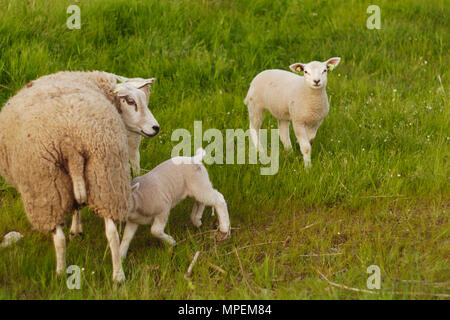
column 299, row 69
column 116, row 90
column 330, row 66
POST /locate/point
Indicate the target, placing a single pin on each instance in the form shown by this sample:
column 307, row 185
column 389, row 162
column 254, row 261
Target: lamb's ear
column 297, row 67
column 332, row 63
column 134, row 187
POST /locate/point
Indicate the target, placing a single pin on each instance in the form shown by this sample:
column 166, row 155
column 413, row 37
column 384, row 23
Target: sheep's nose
column 316, row 81
column 156, row 128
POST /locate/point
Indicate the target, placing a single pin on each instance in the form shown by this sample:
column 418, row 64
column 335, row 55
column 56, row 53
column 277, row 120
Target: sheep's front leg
column 197, row 213
column 113, row 239
column 60, row 248
column 135, row 160
column 134, row 141
column 283, row 126
column 128, row 234
column 303, row 141
column 158, row 226
column 76, row 227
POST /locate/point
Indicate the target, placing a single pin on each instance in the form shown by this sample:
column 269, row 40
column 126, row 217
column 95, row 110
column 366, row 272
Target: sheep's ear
column 134, row 187
column 297, row 67
column 332, row 63
column 146, row 82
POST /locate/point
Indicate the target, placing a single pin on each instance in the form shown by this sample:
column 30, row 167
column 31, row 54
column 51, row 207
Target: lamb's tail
column 199, row 155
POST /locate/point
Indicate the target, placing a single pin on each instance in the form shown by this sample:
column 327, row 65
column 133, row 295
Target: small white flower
column 395, row 90
column 82, row 269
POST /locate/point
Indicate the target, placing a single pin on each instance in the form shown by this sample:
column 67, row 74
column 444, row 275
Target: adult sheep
column 62, row 142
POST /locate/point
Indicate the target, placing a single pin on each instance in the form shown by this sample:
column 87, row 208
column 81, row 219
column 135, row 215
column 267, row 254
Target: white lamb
column 289, row 97
column 158, row 191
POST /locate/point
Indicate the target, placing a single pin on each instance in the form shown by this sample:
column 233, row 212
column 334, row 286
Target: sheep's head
column 315, row 72
column 133, row 95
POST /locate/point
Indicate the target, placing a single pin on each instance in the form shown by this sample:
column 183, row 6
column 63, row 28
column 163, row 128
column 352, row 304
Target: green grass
column 378, row 192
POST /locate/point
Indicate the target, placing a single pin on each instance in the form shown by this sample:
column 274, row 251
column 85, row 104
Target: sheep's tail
column 247, row 99
column 199, row 155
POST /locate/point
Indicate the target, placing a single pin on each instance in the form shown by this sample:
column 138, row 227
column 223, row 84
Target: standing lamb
column 62, row 142
column 289, row 97
column 158, row 191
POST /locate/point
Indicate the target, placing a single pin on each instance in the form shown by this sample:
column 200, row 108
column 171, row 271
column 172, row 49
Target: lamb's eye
column 306, row 72
column 324, row 70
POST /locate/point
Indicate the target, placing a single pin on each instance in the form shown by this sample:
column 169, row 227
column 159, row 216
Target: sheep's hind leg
column 283, row 126
column 256, row 117
column 128, row 234
column 158, row 226
column 113, row 239
column 76, row 227
column 197, row 213
column 215, row 199
column 59, row 241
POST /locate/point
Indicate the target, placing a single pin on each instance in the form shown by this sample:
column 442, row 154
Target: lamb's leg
column 303, row 141
column 113, row 239
column 60, row 247
column 158, row 226
column 128, row 234
column 256, row 116
column 76, row 227
column 283, row 126
column 197, row 213
column 215, row 199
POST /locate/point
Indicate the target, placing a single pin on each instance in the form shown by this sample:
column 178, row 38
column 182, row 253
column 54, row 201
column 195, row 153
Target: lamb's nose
column 156, row 128
column 316, row 81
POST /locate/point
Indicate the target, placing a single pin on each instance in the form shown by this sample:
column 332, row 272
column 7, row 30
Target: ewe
column 158, row 191
column 132, row 107
column 289, row 97
column 62, row 141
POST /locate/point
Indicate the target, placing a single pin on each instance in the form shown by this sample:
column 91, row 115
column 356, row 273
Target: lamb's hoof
column 171, row 241
column 222, row 236
column 197, row 223
column 119, row 277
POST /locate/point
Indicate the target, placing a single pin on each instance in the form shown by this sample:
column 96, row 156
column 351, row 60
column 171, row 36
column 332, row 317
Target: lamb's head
column 315, row 72
column 133, row 95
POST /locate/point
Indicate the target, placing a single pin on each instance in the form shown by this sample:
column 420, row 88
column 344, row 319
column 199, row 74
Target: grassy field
column 378, row 192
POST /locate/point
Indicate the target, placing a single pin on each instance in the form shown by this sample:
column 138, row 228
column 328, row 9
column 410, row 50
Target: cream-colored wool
column 301, row 100
column 59, row 128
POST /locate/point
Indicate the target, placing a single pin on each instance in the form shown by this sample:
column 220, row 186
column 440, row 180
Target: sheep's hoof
column 171, row 241
column 222, row 236
column 119, row 277
column 197, row 223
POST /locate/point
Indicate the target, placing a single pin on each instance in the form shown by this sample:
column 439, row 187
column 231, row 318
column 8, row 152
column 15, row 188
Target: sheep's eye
column 306, row 72
column 324, row 70
column 130, row 101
